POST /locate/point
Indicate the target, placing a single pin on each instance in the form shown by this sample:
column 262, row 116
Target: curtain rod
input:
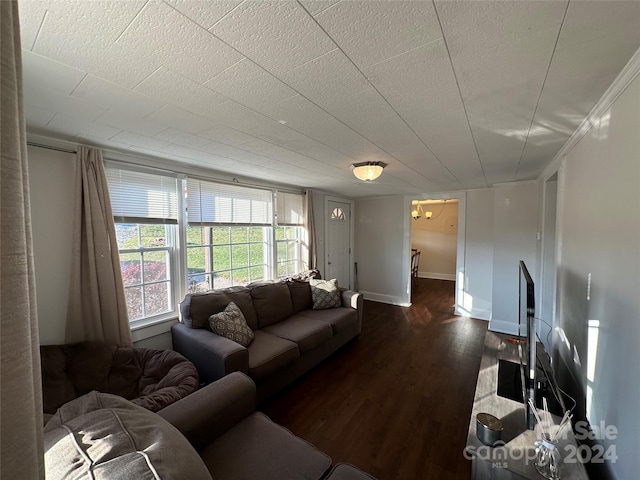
column 49, row 147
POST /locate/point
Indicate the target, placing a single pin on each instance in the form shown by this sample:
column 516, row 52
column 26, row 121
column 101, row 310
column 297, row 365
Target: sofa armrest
column 214, row 356
column 354, row 300
column 209, row 412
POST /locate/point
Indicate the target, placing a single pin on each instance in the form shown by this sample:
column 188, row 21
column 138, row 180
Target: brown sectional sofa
column 212, row 433
column 290, row 337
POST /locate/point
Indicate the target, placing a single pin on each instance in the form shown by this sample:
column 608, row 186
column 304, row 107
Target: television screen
column 527, row 328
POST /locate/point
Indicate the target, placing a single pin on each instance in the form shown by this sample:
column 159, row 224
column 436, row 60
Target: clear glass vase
column 548, row 458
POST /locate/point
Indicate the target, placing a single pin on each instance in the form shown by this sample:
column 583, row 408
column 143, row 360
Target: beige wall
column 437, row 241
column 51, row 180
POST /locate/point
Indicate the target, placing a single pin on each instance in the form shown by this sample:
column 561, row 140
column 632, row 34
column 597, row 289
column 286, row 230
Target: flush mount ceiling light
column 367, row 171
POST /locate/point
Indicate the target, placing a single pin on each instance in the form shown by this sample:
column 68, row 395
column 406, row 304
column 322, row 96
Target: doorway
column 439, row 233
column 547, row 304
column 338, row 241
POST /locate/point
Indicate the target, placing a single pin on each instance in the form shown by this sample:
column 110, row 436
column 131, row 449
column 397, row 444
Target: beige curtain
column 21, row 450
column 97, row 307
column 309, row 224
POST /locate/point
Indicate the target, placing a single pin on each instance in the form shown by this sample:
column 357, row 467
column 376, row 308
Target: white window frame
column 173, row 239
column 210, row 246
column 169, row 248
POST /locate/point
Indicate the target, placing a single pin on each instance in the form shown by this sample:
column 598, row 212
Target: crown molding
column 619, row 85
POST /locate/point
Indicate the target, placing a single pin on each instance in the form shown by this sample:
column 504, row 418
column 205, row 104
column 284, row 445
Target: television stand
column 514, row 460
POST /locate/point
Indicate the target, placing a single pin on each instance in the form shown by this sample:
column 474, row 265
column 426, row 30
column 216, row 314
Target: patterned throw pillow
column 325, row 294
column 230, row 323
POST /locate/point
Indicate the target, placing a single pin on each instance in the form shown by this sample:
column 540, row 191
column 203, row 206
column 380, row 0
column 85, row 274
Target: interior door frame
column 351, row 203
column 461, row 196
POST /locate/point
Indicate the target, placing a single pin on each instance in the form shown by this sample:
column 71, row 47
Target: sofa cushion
column 325, row 294
column 231, row 324
column 268, row 354
column 340, row 319
column 272, row 302
column 259, row 448
column 300, row 295
column 306, row 332
column 196, row 308
column 104, row 436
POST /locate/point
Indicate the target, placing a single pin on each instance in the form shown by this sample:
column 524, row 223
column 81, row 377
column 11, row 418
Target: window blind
column 139, row 197
column 289, row 208
column 210, row 203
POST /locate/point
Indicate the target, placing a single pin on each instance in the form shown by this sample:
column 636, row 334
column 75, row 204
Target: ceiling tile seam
column 147, row 77
column 386, row 101
column 455, row 76
column 239, row 147
column 544, row 82
column 51, row 119
column 37, row 37
column 404, row 53
column 302, row 95
column 79, row 83
column 133, row 147
column 208, row 30
column 131, row 22
column 335, row 2
column 222, row 18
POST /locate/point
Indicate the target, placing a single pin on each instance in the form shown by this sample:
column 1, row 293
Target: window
column 288, row 250
column 145, row 261
column 228, row 235
column 145, row 209
column 338, row 214
column 288, row 233
column 222, row 256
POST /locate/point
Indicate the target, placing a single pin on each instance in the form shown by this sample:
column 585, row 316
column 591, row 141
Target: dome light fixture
column 368, row 171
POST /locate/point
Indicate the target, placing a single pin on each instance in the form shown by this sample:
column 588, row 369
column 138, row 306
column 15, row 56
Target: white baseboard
column 438, row 276
column 379, row 297
column 502, row 326
column 474, row 313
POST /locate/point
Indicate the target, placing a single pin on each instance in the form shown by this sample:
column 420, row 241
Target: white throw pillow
column 325, row 294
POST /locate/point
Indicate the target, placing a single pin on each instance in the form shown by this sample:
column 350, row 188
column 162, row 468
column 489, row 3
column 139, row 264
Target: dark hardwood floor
column 397, row 401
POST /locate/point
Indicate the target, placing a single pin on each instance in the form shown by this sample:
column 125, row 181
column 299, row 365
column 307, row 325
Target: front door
column 338, row 243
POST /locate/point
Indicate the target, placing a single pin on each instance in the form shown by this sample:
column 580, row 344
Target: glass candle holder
column 548, row 458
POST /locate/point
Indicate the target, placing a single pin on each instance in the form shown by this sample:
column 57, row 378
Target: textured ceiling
column 450, row 94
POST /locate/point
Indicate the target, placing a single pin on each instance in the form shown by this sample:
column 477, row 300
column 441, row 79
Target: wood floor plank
column 396, row 402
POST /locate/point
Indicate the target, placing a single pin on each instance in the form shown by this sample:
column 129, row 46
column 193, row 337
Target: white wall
column 51, row 180
column 437, row 241
column 599, row 274
column 545, row 306
column 475, row 289
column 381, row 248
column 52, row 183
column 515, row 222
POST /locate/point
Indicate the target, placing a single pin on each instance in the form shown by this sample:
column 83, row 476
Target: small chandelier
column 418, row 213
column 367, row 171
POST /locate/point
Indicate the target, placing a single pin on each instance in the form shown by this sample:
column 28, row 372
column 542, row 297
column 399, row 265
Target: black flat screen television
column 527, row 329
column 532, row 378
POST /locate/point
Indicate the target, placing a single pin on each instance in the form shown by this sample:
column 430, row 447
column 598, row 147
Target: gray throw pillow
column 230, row 323
column 325, row 294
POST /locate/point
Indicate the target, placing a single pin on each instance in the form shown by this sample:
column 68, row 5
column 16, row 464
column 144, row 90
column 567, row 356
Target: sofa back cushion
column 300, row 295
column 272, row 302
column 104, row 436
column 151, row 378
column 196, row 308
column 69, row 371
